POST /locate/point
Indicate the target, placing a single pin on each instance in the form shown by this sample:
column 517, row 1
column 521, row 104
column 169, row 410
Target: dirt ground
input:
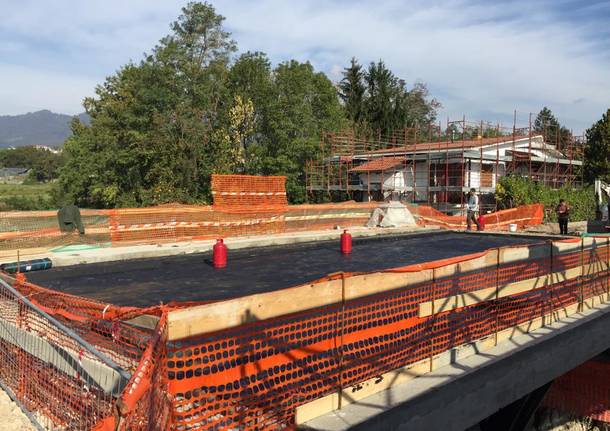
column 574, row 228
column 11, row 416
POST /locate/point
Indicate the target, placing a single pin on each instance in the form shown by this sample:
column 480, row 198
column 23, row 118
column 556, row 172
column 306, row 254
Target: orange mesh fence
column 328, row 216
column 249, row 193
column 38, row 231
column 62, row 383
column 180, row 223
column 526, row 215
column 33, row 232
column 31, row 229
column 255, row 375
column 584, row 391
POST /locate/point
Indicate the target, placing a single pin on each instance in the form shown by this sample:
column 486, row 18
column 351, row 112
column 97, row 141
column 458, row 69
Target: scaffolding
column 437, row 166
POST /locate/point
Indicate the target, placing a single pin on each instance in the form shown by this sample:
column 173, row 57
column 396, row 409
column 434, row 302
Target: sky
column 481, row 59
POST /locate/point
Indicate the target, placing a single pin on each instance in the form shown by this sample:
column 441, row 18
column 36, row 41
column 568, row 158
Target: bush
column 27, row 203
column 513, row 191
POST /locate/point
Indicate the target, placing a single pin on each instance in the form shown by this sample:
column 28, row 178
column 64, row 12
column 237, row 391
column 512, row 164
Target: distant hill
column 36, row 128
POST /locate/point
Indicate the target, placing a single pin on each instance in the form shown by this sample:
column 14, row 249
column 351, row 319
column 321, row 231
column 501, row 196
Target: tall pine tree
column 597, row 150
column 352, row 92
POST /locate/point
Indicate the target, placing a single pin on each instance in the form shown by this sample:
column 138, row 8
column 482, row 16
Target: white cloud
column 480, row 59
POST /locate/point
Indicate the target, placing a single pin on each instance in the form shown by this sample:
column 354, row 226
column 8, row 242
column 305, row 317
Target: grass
column 26, row 196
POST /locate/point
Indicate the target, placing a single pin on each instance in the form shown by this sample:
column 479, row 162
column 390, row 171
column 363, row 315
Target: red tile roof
column 379, row 164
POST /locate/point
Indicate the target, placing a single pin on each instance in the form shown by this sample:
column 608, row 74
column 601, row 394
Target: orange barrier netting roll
column 249, row 193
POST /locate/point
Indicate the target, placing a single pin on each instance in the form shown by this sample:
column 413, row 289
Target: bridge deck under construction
column 147, row 282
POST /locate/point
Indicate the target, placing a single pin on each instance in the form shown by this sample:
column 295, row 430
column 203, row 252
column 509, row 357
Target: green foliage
column 44, row 164
column 376, row 100
column 153, row 135
column 597, row 150
column 352, row 92
column 161, row 127
column 27, row 197
column 547, row 124
column 303, row 104
column 513, row 191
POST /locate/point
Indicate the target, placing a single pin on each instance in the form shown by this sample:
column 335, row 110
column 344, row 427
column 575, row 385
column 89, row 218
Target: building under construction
column 438, row 167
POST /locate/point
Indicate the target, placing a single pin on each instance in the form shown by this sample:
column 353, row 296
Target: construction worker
column 563, row 216
column 472, row 210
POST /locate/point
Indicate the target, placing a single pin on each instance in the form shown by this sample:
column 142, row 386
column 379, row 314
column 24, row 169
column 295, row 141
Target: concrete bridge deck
column 146, row 282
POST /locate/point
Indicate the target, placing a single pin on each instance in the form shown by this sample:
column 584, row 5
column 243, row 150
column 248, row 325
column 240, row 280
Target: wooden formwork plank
column 226, row 314
column 591, row 302
column 517, row 254
column 487, row 294
column 561, row 247
column 362, row 390
column 359, row 286
column 213, row 317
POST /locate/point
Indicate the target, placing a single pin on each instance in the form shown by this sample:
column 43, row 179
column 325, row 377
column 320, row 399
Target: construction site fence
column 272, row 360
column 74, row 363
column 322, row 343
column 521, row 217
column 34, row 232
column 40, row 229
column 583, row 392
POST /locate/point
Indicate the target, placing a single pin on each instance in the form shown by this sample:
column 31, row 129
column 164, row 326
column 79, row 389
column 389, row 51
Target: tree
column 547, row 124
column 159, row 128
column 44, row 165
column 251, row 78
column 152, row 136
column 383, row 95
column 545, row 121
column 352, row 92
column 597, row 150
column 420, row 109
column 304, row 104
column 377, row 101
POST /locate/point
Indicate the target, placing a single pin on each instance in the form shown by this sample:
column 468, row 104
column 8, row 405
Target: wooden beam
column 213, row 317
column 354, row 393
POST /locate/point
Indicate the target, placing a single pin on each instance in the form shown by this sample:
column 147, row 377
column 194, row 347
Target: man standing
column 563, row 215
column 473, row 209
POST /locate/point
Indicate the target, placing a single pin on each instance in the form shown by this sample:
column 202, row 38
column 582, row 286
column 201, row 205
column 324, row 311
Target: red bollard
column 219, row 254
column 346, row 242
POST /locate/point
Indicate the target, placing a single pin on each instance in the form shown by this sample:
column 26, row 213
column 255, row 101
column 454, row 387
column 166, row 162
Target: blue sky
column 481, row 59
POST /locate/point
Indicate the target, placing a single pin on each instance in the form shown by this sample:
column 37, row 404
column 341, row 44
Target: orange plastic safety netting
column 243, row 205
column 40, row 229
column 256, row 375
column 35, row 232
column 526, row 215
column 249, row 193
column 584, row 391
column 64, row 382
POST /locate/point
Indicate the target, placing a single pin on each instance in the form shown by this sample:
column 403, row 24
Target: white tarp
column 391, row 214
